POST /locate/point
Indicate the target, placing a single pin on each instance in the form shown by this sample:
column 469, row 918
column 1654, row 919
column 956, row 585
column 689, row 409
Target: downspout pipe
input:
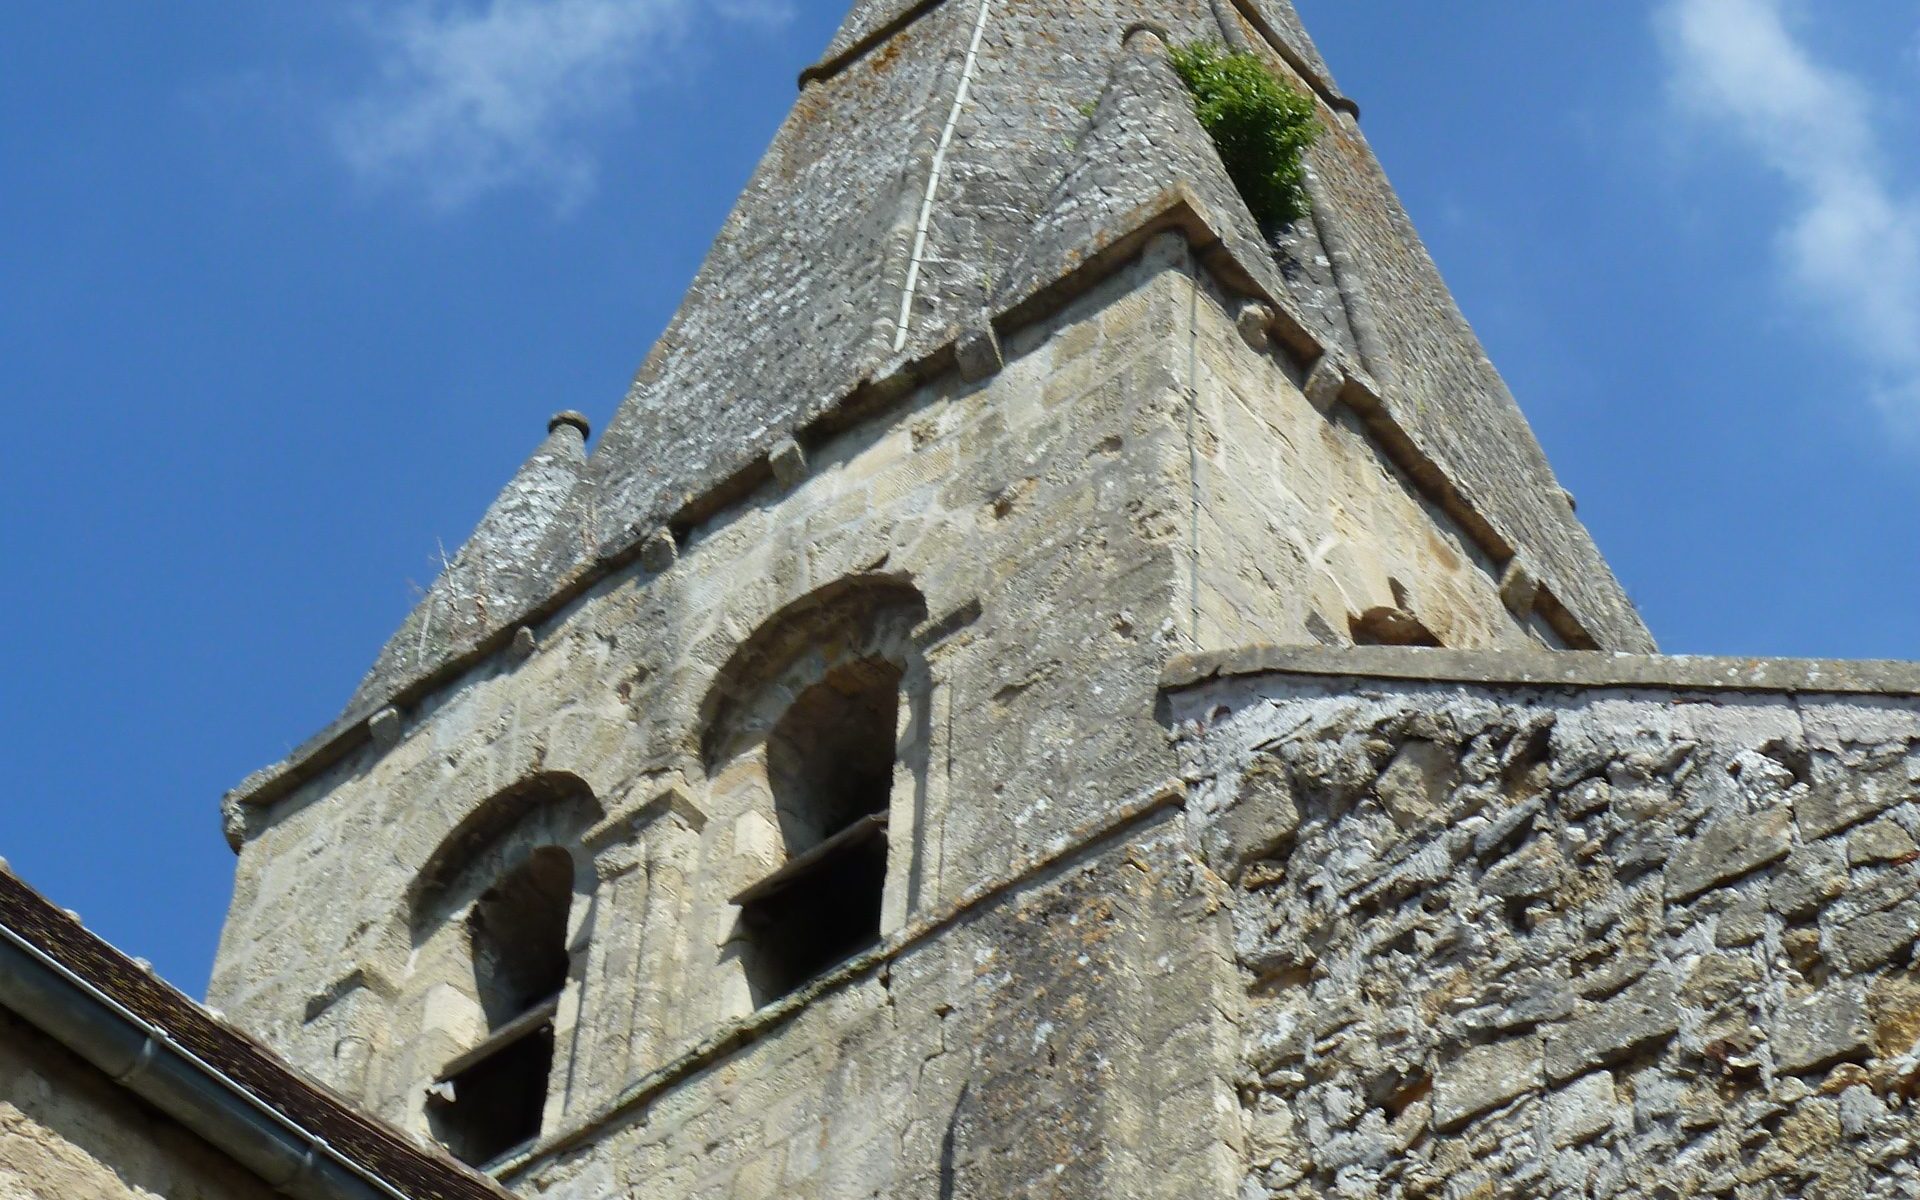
column 143, row 1059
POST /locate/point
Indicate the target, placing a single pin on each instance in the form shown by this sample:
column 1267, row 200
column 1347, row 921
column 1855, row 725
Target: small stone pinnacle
column 570, row 417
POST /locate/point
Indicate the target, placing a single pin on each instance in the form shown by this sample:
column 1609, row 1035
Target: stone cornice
column 1551, row 669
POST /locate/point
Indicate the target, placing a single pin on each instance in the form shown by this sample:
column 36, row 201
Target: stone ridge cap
column 843, row 54
column 1551, row 668
column 1181, row 212
column 1291, row 55
column 838, row 60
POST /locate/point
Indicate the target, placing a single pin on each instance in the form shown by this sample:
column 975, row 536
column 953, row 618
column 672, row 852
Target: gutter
column 142, row 1058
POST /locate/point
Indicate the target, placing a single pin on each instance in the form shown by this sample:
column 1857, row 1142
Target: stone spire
column 516, row 556
column 947, row 162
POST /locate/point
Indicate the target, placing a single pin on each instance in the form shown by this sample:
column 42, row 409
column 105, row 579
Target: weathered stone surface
column 1256, row 822
column 1846, row 793
column 1434, row 894
column 1012, row 551
column 1582, row 1110
column 1254, row 321
column 1867, row 940
column 1882, row 841
column 659, row 550
column 1731, row 847
column 1730, row 1015
column 825, row 277
column 1415, row 785
column 1811, row 877
column 1325, row 383
column 1612, row 1029
column 1821, row 1029
column 1518, row 587
column 977, row 353
column 788, row 462
column 1484, row 1077
column 1533, row 872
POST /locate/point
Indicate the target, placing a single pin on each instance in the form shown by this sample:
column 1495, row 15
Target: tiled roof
column 361, row 1141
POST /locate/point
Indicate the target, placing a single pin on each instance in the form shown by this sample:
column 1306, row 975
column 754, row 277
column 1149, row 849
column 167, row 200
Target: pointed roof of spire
column 939, row 163
column 524, row 545
column 1141, row 153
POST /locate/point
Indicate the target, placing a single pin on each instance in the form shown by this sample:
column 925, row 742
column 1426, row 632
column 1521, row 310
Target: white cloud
column 1849, row 244
column 475, row 95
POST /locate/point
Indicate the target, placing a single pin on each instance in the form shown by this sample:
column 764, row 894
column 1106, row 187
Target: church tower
column 780, row 799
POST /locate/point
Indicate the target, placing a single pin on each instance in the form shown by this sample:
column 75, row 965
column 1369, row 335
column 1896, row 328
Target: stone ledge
column 1551, row 668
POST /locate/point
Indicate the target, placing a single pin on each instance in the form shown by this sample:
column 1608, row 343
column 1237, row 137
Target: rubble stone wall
column 1501, row 940
column 67, row 1132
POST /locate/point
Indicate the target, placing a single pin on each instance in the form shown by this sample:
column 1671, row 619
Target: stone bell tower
column 778, row 800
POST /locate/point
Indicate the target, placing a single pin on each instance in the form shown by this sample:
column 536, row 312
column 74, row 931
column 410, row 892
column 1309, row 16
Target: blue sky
column 287, row 292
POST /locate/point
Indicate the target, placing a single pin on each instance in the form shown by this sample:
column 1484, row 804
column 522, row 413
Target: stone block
column 1255, row 823
column 1518, row 587
column 1483, row 1078
column 1842, row 795
column 1881, row 841
column 1721, row 981
column 385, row 729
column 1534, row 871
column 525, row 642
column 1586, row 797
column 1582, row 1110
column 1727, row 849
column 1745, row 921
column 659, row 549
column 1325, row 383
column 1811, row 877
column 977, row 354
column 1414, row 786
column 1870, row 940
column 788, row 462
column 1270, row 1133
column 1253, row 320
column 1506, row 826
column 1873, row 889
column 1610, row 1030
column 1532, row 998
column 1819, row 1030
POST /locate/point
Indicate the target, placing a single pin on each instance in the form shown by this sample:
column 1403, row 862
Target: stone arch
column 860, row 617
column 551, row 807
column 817, row 723
column 491, row 913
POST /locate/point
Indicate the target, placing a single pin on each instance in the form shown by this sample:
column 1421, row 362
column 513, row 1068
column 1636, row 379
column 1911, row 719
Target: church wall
column 1505, row 940
column 66, row 1132
column 1037, row 513
column 1303, row 522
column 1065, row 1039
column 1052, row 525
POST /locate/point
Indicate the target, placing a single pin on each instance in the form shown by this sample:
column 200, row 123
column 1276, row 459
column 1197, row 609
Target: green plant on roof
column 1261, row 127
